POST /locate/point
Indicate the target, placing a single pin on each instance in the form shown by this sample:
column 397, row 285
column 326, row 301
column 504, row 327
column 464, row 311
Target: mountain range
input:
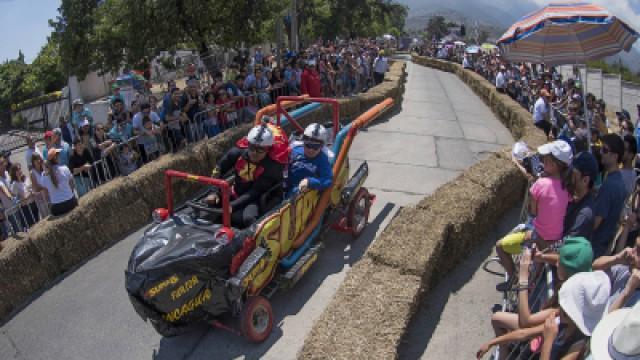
column 493, row 16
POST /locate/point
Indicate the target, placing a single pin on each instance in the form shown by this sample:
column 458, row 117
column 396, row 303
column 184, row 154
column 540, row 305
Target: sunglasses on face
column 257, row 149
column 312, row 145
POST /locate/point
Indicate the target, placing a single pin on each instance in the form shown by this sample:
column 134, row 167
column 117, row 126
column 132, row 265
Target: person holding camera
column 549, row 197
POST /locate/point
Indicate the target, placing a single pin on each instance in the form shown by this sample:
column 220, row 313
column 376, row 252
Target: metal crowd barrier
column 541, row 292
column 21, row 216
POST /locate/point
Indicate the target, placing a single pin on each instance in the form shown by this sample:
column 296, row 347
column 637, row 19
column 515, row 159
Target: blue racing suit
column 317, row 170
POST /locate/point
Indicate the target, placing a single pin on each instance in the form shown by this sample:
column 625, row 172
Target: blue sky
column 24, row 25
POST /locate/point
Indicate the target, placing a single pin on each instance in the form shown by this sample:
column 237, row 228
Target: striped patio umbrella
column 569, row 33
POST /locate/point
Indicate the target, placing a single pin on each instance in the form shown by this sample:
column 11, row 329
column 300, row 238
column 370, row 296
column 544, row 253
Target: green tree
column 110, row 34
column 16, row 82
column 73, row 33
column 47, row 68
column 437, row 27
column 329, row 19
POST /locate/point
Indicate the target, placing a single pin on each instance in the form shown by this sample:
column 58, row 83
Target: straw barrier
column 371, row 311
column 31, row 261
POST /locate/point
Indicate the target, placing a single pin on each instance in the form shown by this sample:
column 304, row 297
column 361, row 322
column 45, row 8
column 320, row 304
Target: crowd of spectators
column 581, row 226
column 83, row 152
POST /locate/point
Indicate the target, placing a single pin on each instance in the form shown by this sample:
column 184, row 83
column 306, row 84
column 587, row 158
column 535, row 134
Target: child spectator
column 574, row 258
column 102, row 148
column 582, row 301
column 211, row 127
column 548, row 205
column 20, row 189
column 148, row 141
column 121, row 131
column 226, row 111
column 128, row 160
column 37, row 190
column 80, row 166
column 174, row 119
column 6, row 200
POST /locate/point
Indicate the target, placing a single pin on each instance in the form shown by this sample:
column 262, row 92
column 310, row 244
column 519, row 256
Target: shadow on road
column 428, row 317
column 207, row 343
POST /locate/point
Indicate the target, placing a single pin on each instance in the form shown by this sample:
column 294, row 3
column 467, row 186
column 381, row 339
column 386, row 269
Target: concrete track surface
column 440, row 130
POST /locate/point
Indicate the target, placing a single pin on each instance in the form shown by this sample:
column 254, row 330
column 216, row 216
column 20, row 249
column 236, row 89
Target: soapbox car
column 187, row 270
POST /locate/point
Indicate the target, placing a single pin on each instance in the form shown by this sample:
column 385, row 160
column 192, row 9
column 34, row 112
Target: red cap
column 48, row 133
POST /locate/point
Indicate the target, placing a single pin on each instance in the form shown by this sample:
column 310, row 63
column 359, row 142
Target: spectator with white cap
column 80, row 112
column 548, row 204
column 582, row 302
column 574, row 258
column 617, row 336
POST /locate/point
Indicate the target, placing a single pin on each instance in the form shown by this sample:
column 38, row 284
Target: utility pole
column 294, row 26
column 279, row 39
column 476, row 33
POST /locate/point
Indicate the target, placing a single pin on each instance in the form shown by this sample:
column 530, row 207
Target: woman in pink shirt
column 548, row 205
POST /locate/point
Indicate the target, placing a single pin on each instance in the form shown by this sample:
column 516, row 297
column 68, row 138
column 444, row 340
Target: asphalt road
column 441, row 129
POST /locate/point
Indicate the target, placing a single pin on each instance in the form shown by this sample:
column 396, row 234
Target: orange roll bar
column 356, row 125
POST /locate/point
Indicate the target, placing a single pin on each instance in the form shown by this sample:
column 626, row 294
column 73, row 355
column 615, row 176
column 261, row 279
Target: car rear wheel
column 256, row 319
column 358, row 213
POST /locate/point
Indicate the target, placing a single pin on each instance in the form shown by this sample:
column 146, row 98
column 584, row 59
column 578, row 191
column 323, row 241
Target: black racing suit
column 251, row 181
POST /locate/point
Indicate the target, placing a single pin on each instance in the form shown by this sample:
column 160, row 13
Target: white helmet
column 260, row 135
column 317, row 132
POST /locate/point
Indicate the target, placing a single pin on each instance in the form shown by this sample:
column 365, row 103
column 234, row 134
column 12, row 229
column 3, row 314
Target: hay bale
column 68, row 240
column 367, row 317
column 103, row 216
column 370, row 99
column 387, row 89
column 350, row 108
column 465, row 206
column 22, row 272
column 411, row 242
column 501, row 178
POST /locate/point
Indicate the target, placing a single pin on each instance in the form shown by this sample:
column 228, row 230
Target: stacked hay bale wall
column 29, row 262
column 370, row 313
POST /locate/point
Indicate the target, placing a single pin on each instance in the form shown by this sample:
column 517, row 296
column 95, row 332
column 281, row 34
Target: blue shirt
column 317, row 170
column 121, row 133
column 609, row 204
column 78, row 117
column 252, row 82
